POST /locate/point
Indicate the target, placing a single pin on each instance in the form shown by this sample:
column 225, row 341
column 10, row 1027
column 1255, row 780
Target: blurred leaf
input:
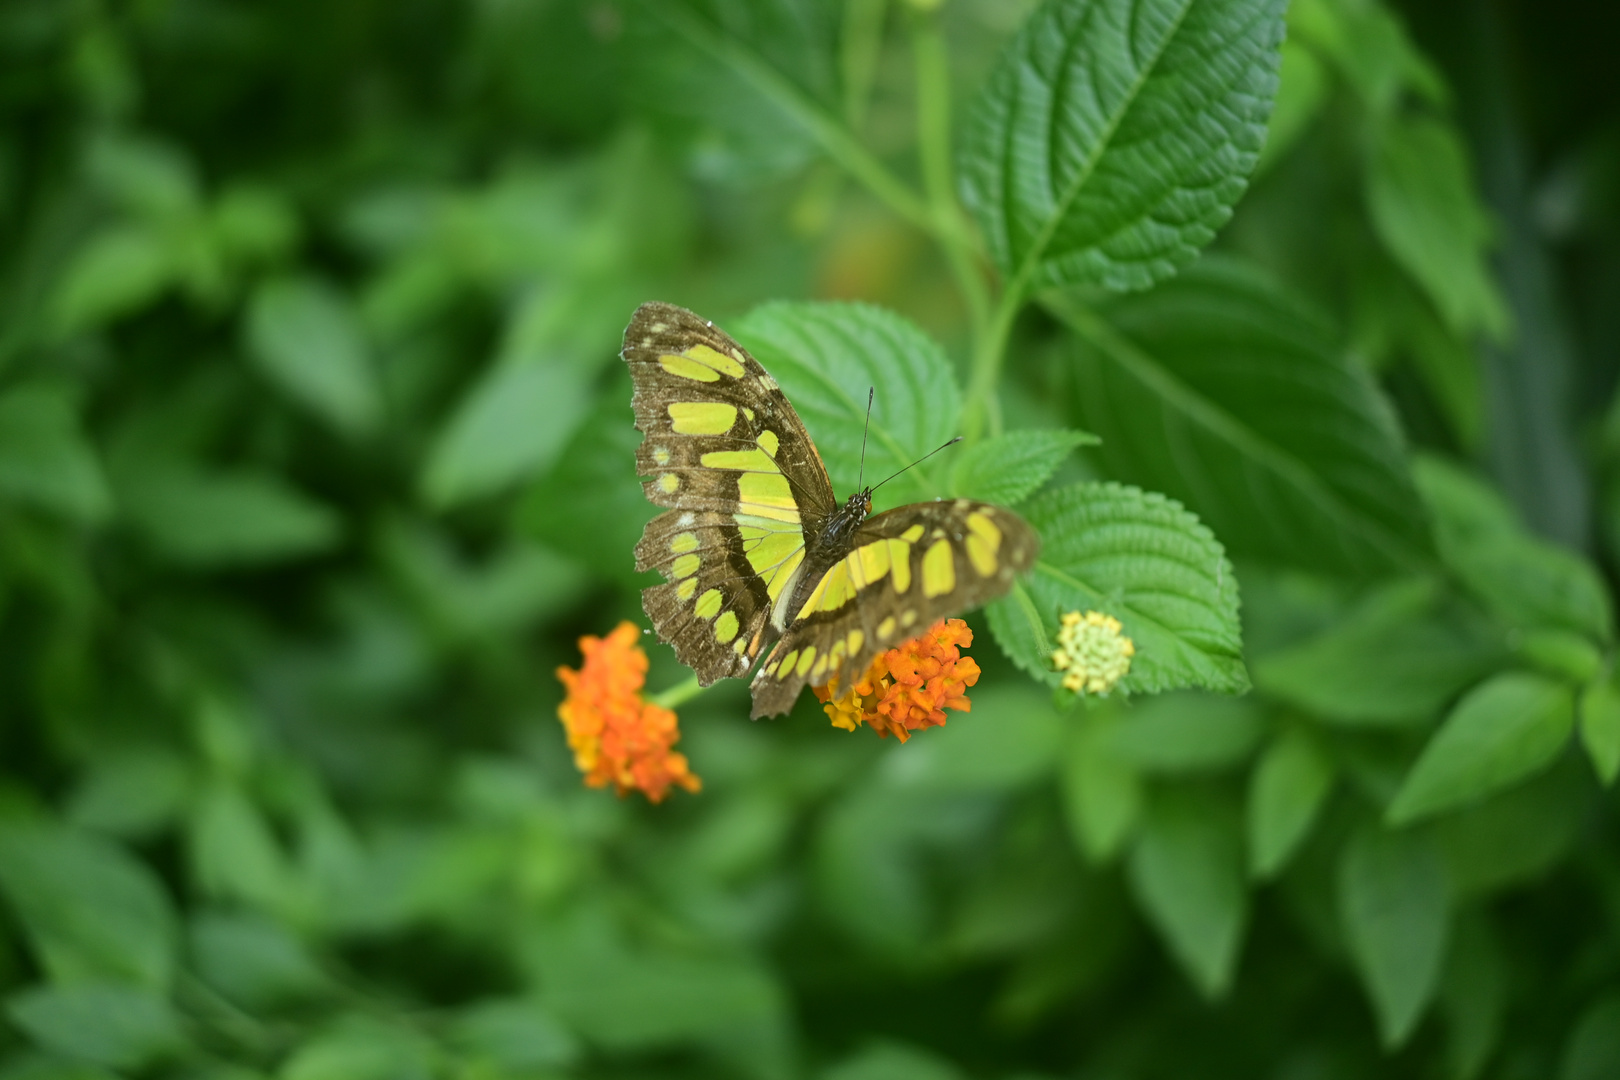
column 1302, row 89
column 824, row 354
column 143, row 176
column 214, row 518
column 1600, row 727
column 108, row 1024
column 234, row 853
column 51, row 1067
column 516, row 1034
column 1286, row 792
column 1516, row 837
column 304, row 338
column 1506, row 729
column 361, row 1049
column 1593, row 1049
column 1473, row 995
column 253, row 961
column 90, row 909
column 1112, row 140
column 1143, row 559
column 133, row 794
column 1424, row 651
column 1528, row 581
column 1185, row 732
column 1393, row 901
column 892, row 1061
column 45, row 459
column 1186, row 870
column 1370, row 48
column 1010, row 739
column 1102, row 794
column 121, row 269
column 1006, row 468
column 1427, row 213
column 250, row 222
column 1561, row 654
column 591, row 503
column 1223, row 390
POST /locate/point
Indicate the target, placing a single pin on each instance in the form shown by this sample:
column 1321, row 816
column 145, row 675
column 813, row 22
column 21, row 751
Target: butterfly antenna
column 871, row 393
column 925, row 457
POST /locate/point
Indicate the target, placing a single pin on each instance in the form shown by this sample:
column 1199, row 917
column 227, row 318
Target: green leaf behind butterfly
column 826, row 355
column 1006, row 468
column 1143, row 559
column 1115, row 135
column 1223, row 390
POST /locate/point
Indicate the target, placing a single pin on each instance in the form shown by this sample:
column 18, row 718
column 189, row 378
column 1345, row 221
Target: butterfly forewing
column 727, row 454
column 904, row 570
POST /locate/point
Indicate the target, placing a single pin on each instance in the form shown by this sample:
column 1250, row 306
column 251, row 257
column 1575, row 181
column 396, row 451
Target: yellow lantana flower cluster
column 1092, row 653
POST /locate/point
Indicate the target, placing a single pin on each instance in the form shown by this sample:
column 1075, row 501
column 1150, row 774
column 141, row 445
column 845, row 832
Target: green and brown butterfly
column 756, row 551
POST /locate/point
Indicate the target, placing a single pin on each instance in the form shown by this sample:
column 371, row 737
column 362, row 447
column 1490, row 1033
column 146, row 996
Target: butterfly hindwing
column 727, row 454
column 905, row 569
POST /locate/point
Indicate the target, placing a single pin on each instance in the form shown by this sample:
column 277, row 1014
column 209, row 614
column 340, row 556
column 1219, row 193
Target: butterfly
column 755, row 549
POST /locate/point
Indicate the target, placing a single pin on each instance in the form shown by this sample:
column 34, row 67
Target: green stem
column 982, row 412
column 862, row 42
column 679, row 694
column 950, row 229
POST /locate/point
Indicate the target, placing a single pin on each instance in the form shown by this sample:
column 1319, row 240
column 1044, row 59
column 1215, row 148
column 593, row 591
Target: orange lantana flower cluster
column 908, row 688
column 617, row 737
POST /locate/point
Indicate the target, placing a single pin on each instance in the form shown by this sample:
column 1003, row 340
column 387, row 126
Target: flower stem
column 679, row 694
column 982, row 414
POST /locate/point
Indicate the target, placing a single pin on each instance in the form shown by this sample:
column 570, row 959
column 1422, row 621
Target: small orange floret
column 617, row 737
column 909, row 687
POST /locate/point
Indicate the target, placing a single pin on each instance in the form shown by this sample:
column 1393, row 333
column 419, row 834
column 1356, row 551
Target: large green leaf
column 1504, row 730
column 1286, row 792
column 1143, row 559
column 105, row 1023
column 826, row 356
column 1186, row 732
column 1102, row 794
column 89, row 908
column 1393, row 901
column 1187, row 872
column 1224, row 391
column 1114, row 136
column 1425, row 649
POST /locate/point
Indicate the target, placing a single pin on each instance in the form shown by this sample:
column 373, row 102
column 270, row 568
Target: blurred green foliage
column 316, row 460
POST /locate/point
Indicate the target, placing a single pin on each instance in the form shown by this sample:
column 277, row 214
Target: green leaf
column 1600, row 727
column 1593, row 1049
column 254, row 961
column 1504, row 730
column 892, row 1061
column 1141, row 558
column 1006, row 468
column 1429, row 216
column 45, row 460
column 1473, row 995
column 589, row 506
column 1010, row 739
column 234, row 853
column 90, row 909
column 214, row 518
column 361, row 1049
column 134, row 793
column 304, row 337
column 1371, row 50
column 1186, row 732
column 1517, row 837
column 1223, row 390
column 517, row 1035
column 1102, row 794
column 116, row 272
column 1302, row 89
column 51, row 1067
column 119, row 1026
column 510, row 426
column 1527, row 581
column 1186, row 870
column 1393, row 901
column 1423, row 650
column 826, row 356
column 1114, row 136
column 1286, row 791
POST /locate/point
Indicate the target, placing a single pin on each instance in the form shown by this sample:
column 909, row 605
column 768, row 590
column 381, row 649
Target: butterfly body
column 760, row 558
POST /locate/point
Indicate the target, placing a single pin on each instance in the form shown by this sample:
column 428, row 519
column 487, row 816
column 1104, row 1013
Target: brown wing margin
column 884, row 615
